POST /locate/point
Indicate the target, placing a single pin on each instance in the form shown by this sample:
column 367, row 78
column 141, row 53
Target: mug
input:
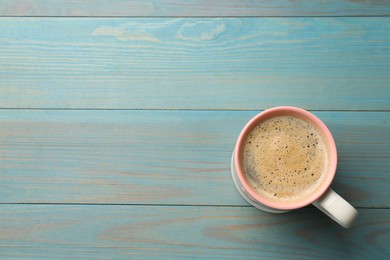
column 324, row 198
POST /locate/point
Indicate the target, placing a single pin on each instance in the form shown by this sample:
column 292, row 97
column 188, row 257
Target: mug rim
column 330, row 144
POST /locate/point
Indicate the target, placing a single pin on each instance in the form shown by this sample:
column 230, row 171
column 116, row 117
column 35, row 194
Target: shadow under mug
column 324, row 198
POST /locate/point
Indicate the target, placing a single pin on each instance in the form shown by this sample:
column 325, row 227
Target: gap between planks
column 190, row 17
column 188, row 109
column 156, row 205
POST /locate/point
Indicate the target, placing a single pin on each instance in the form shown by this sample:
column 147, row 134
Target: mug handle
column 337, row 208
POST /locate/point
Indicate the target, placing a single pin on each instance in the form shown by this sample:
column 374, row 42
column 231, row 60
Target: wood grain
column 164, row 157
column 197, row 63
column 120, row 8
column 90, row 232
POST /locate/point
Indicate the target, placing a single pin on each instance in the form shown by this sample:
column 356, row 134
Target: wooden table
column 118, row 119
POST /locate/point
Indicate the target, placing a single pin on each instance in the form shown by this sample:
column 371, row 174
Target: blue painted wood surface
column 123, row 232
column 120, row 156
column 158, row 8
column 197, row 63
column 116, row 133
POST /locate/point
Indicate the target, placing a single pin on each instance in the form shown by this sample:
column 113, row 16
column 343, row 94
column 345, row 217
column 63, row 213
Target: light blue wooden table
column 118, row 119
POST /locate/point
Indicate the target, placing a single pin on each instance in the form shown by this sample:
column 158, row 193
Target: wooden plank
column 85, row 232
column 200, row 63
column 164, row 157
column 120, row 8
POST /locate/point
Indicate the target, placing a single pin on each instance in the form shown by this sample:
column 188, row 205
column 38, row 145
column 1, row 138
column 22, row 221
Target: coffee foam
column 285, row 159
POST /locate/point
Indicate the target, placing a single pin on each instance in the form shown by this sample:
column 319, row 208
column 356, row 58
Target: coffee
column 285, row 159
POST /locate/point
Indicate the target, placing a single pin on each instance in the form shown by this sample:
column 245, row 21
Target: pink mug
column 324, row 198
